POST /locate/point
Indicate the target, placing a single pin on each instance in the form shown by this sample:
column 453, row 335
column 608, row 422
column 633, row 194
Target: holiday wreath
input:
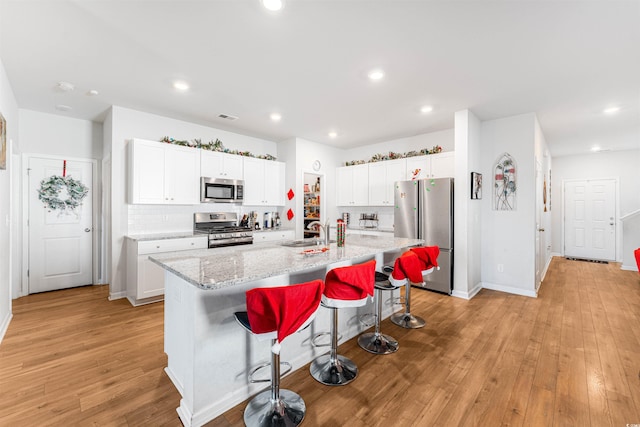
column 50, row 189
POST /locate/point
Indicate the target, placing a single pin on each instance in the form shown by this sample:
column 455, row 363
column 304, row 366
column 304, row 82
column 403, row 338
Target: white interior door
column 589, row 219
column 60, row 242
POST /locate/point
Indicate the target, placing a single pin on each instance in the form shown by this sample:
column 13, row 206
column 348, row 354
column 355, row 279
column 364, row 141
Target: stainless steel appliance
column 220, row 190
column 424, row 210
column 222, row 228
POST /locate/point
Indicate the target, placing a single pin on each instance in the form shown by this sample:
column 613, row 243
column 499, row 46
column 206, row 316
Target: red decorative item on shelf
column 64, row 168
column 290, row 194
column 289, row 214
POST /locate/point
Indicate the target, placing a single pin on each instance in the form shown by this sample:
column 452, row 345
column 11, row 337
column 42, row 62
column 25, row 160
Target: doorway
column 590, row 219
column 60, row 239
column 313, row 184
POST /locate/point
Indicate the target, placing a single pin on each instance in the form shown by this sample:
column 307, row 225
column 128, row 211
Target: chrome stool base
column 288, row 411
column 340, row 372
column 407, row 320
column 378, row 343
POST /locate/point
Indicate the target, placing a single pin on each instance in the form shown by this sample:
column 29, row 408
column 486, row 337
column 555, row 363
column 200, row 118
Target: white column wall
column 8, row 256
column 508, row 237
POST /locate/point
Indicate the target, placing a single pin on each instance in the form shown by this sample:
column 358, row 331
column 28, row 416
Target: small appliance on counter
column 271, row 220
column 368, row 220
column 222, row 228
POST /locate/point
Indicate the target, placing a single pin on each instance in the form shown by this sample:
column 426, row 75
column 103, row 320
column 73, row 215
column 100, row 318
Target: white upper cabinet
column 353, row 185
column 263, row 182
column 440, row 165
column 214, row 164
column 382, row 176
column 161, row 173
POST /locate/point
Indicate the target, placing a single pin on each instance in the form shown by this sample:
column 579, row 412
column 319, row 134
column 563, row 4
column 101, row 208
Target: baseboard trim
column 117, row 295
column 467, row 295
column 509, row 290
column 4, row 326
column 629, row 268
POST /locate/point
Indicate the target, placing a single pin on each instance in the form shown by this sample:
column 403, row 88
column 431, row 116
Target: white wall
column 9, row 110
column 623, row 165
column 508, row 237
column 55, row 135
column 467, row 212
column 126, row 124
column 330, row 158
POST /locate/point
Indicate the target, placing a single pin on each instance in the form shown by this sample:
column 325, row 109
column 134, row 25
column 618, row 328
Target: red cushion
column 408, row 266
column 637, row 254
column 283, row 308
column 428, row 256
column 353, row 282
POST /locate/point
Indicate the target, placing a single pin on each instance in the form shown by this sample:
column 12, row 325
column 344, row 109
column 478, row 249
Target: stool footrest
column 367, row 320
column 284, row 372
column 316, row 337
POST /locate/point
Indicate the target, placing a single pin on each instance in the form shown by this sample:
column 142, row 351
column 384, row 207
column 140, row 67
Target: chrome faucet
column 325, row 228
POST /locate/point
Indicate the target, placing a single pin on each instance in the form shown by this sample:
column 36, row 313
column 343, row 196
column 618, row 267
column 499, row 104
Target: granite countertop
column 164, row 236
column 218, row 268
column 271, row 230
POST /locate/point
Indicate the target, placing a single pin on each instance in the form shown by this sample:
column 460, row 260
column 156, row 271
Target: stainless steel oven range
column 222, row 229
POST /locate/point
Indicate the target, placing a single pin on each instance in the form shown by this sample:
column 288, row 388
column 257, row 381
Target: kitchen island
column 209, row 354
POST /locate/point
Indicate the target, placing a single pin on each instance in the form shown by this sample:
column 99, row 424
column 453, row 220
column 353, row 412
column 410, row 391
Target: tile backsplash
column 149, row 219
column 384, row 213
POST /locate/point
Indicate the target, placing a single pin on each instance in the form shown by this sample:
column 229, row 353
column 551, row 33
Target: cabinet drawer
column 273, row 236
column 170, row 245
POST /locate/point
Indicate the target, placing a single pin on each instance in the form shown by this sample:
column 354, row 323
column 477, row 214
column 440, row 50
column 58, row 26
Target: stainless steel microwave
column 219, row 190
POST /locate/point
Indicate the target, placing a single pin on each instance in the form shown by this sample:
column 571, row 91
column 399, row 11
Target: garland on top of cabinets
column 392, row 156
column 214, row 146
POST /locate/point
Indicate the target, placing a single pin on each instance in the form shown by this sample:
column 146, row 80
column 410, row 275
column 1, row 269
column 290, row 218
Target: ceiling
column 564, row 60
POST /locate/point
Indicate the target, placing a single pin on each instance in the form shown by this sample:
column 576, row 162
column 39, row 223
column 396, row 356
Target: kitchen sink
column 304, row 243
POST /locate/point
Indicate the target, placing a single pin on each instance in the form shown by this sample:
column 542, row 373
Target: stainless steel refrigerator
column 424, row 210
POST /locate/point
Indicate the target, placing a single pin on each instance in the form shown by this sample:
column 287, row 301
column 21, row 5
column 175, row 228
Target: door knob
column 87, row 230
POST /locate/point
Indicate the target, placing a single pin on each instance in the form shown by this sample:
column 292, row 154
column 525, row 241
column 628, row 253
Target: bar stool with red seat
column 349, row 286
column 275, row 313
column 410, row 268
column 376, row 342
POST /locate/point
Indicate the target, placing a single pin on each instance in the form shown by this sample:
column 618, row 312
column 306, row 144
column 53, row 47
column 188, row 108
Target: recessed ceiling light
column 180, row 85
column 65, row 86
column 376, row 74
column 426, row 109
column 62, row 107
column 611, row 110
column 275, row 117
column 92, row 92
column 595, row 149
column 273, row 5
column 333, row 134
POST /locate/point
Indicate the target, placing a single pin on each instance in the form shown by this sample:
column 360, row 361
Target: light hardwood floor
column 570, row 357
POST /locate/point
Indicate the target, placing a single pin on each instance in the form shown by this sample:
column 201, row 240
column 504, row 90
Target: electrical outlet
column 500, row 268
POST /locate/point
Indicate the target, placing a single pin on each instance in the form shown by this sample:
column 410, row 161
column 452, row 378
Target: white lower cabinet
column 273, row 236
column 145, row 279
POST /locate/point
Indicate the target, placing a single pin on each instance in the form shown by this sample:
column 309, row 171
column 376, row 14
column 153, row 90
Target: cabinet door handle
column 86, row 230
